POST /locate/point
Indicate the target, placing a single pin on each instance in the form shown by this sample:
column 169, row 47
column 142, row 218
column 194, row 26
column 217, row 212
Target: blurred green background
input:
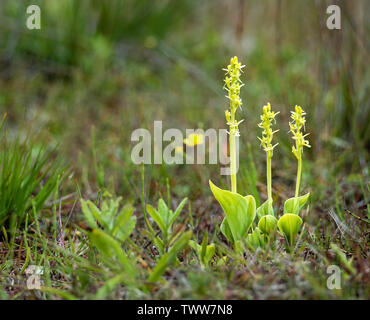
column 97, row 70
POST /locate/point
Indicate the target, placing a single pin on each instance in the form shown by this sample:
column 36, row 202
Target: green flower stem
column 267, row 119
column 299, row 173
column 268, row 168
column 232, row 142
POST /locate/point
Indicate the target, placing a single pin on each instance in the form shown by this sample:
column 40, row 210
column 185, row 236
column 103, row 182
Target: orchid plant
column 164, row 217
column 290, row 222
column 240, row 211
column 265, row 212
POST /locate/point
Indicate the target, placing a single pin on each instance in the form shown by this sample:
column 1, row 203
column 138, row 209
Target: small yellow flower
column 228, row 116
column 296, row 127
column 179, row 150
column 194, row 139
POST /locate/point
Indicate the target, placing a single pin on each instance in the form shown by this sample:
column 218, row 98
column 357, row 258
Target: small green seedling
column 118, row 224
column 110, row 228
column 205, row 252
column 164, row 218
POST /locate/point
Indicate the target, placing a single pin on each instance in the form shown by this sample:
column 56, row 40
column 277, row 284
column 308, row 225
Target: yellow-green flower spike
column 233, row 83
column 296, row 126
column 232, row 86
column 267, row 118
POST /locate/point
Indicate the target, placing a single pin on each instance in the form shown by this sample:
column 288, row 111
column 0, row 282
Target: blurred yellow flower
column 179, row 150
column 194, row 139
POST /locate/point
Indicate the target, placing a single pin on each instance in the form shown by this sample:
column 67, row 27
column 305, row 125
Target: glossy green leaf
column 240, row 211
column 289, row 225
column 265, row 209
column 267, row 224
column 225, row 229
column 294, row 205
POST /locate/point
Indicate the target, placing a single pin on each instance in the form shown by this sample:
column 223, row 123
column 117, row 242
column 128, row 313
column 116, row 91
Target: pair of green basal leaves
column 240, row 213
